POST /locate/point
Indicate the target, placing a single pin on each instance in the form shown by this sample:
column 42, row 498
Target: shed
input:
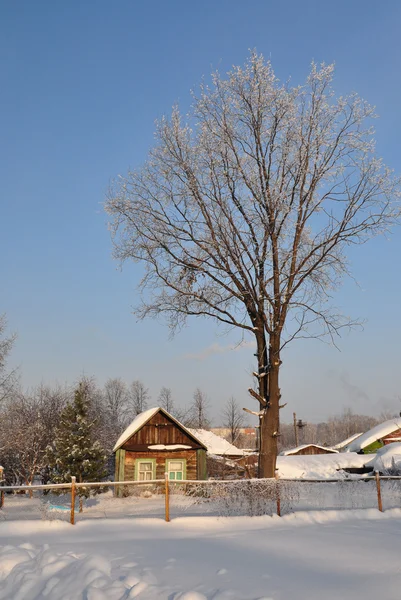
column 382, row 434
column 308, row 449
column 156, row 443
column 217, row 445
column 223, row 458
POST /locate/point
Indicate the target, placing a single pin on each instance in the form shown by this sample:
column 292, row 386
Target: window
column 145, row 470
column 176, row 469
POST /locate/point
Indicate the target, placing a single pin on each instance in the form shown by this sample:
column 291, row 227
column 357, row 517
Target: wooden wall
column 395, row 436
column 161, row 457
column 159, row 430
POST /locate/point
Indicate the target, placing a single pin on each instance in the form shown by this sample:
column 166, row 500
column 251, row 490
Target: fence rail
column 257, row 496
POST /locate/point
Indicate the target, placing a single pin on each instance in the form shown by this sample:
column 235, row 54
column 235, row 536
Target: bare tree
column 138, row 396
column 115, row 399
column 246, row 208
column 198, row 411
column 28, row 424
column 113, row 416
column 7, row 377
column 166, row 400
column 233, row 419
column 336, row 429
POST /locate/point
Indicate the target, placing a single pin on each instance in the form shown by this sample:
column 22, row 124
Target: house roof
column 386, row 458
column 141, row 420
column 298, row 448
column 216, row 444
column 344, row 443
column 319, row 466
column 376, row 433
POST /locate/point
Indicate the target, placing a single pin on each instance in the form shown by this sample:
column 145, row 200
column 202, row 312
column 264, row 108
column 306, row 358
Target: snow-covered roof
column 141, row 420
column 344, row 443
column 298, row 448
column 376, row 433
column 216, row 444
column 386, row 457
column 319, row 466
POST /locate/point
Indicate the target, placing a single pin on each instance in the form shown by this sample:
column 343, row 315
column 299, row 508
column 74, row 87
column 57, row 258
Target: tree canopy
column 245, row 210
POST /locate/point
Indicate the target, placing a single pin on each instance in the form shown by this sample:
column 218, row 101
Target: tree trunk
column 269, row 421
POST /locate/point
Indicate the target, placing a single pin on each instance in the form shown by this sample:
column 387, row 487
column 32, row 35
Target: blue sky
column 81, row 86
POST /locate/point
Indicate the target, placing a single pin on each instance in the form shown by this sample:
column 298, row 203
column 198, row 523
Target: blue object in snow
column 55, row 507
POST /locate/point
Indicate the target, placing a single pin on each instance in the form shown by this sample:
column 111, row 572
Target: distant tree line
column 33, row 424
column 333, row 431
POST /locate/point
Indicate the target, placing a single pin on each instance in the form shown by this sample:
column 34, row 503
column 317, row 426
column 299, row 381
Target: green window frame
column 138, row 469
column 174, row 473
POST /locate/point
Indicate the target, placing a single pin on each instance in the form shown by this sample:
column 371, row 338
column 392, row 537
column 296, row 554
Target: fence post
column 379, row 492
column 167, row 498
column 72, row 519
column 1, row 484
column 278, row 499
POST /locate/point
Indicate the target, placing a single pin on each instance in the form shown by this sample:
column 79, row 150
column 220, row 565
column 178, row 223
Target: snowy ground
column 304, row 556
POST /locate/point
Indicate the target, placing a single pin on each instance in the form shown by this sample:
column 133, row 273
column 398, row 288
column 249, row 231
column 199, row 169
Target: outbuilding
column 380, row 435
column 156, row 443
column 308, row 450
column 224, row 459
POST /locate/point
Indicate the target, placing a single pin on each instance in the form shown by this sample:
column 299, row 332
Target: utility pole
column 295, row 429
column 297, row 426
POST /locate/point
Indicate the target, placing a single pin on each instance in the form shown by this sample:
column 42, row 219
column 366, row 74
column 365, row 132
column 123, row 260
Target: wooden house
column 382, row 434
column 155, row 443
column 308, row 450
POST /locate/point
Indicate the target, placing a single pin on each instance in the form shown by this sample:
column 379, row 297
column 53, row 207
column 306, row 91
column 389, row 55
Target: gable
column 159, row 428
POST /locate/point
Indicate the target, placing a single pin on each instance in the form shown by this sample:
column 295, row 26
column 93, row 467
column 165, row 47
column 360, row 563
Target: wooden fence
column 276, row 482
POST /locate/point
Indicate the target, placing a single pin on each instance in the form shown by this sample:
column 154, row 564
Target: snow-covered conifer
column 74, row 452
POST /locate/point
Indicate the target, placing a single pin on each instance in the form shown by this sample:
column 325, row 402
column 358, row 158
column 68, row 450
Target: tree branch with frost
column 7, row 377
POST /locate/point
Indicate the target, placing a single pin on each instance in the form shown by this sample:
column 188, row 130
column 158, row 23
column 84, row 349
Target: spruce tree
column 74, row 452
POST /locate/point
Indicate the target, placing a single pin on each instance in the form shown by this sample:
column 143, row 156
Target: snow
column 298, row 448
column 387, row 457
column 319, row 466
column 374, row 434
column 169, row 447
column 216, row 444
column 346, row 442
column 223, row 460
column 303, row 556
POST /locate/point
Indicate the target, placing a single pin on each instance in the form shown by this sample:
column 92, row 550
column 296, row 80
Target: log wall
column 161, row 456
